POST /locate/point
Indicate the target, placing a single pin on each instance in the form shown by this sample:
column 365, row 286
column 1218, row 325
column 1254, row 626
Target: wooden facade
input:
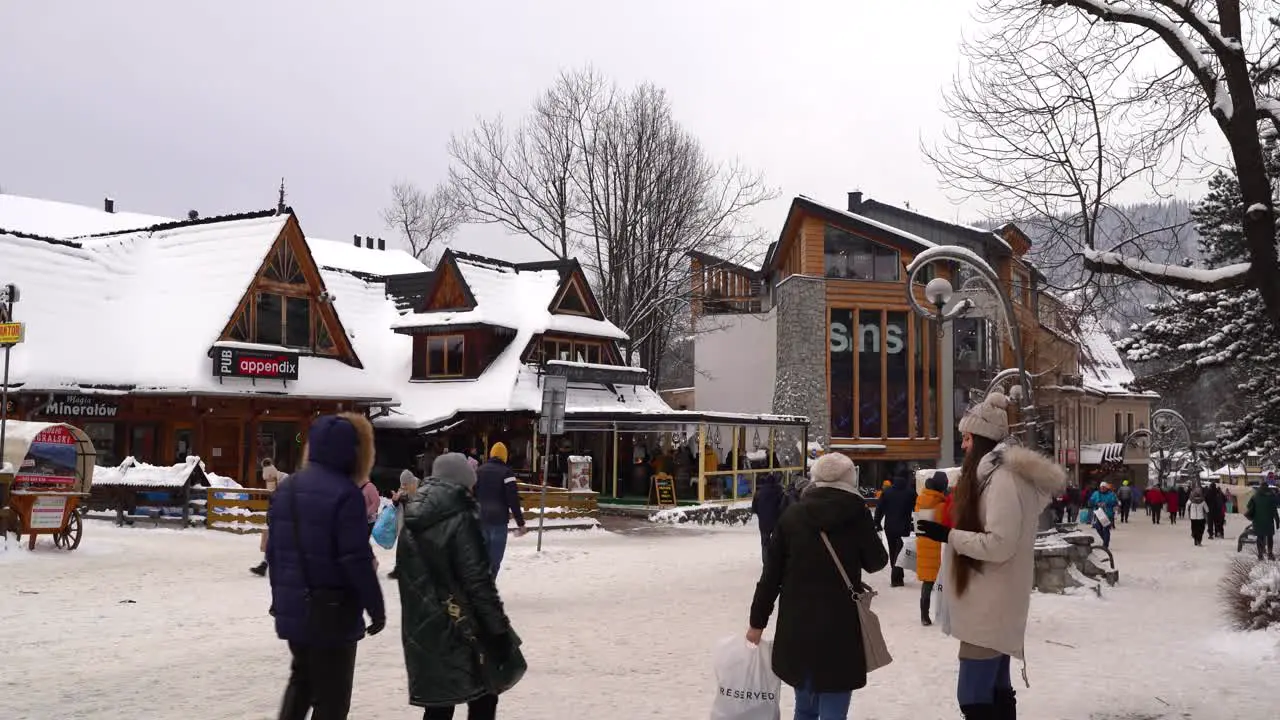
column 231, row 434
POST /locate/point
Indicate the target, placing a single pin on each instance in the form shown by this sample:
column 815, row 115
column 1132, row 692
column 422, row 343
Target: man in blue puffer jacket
column 499, row 499
column 317, row 516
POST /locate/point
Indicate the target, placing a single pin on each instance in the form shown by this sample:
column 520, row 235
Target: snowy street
column 160, row 624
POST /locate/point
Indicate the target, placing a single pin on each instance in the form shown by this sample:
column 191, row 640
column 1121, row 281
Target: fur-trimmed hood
column 342, row 442
column 1027, row 465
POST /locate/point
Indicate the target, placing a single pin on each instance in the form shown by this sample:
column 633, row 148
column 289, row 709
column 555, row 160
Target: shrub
column 1251, row 593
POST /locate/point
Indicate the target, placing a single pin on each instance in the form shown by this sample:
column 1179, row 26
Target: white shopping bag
column 1102, row 517
column 942, row 614
column 909, row 556
column 746, row 688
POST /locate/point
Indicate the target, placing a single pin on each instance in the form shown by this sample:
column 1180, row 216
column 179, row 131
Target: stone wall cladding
column 801, row 387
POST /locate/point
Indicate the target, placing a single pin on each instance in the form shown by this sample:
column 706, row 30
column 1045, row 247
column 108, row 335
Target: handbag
column 329, row 610
column 874, row 649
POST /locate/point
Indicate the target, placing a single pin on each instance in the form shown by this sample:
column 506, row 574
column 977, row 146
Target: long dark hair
column 966, row 508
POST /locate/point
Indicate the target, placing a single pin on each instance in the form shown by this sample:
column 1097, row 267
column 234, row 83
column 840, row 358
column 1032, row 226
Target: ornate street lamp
column 940, row 293
column 1170, row 433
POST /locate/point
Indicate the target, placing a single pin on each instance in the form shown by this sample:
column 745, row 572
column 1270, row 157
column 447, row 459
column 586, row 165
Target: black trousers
column 896, row 574
column 1197, row 530
column 1267, row 543
column 1155, row 513
column 320, row 681
column 482, row 708
column 1124, row 511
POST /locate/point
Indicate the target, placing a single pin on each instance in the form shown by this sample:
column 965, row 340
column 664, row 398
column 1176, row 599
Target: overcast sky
column 168, row 106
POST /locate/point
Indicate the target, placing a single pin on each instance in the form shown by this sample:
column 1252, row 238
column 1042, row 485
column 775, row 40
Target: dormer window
column 283, row 320
column 446, row 355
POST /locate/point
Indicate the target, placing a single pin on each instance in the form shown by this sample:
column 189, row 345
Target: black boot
column 980, row 712
column 260, row 569
column 925, row 592
column 897, row 577
column 1006, row 704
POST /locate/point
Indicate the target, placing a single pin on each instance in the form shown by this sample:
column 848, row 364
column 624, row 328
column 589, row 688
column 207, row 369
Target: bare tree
column 1166, row 66
column 610, row 177
column 1038, row 135
column 424, row 221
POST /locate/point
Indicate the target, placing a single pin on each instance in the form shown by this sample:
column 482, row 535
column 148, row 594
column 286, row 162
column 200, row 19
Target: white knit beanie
column 834, row 470
column 988, row 418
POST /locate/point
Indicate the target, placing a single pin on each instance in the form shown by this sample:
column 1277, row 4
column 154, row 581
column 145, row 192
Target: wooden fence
column 562, row 505
column 239, row 510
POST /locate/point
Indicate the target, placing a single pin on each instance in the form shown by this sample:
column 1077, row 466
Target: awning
column 1102, row 454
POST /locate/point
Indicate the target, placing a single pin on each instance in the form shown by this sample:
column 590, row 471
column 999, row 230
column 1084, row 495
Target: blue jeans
column 979, row 680
column 495, row 539
column 812, row 705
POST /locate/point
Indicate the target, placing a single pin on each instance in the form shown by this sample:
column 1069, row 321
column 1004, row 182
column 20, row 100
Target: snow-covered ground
column 166, row 623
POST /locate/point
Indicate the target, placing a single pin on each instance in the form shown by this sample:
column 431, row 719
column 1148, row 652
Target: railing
column 237, row 510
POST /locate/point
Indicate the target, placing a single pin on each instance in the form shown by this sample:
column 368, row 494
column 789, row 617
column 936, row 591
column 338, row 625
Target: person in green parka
column 459, row 647
column 1264, row 511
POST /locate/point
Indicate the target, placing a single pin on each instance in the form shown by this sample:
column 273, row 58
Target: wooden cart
column 50, row 470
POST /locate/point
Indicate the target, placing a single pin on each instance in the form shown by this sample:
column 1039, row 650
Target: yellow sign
column 10, row 333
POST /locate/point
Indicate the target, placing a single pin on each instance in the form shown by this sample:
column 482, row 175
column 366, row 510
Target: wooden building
column 219, row 337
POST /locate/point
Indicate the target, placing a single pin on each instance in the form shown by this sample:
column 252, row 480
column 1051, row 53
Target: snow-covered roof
column 346, row 256
column 912, row 237
column 53, row 219
column 1101, row 366
column 140, row 309
column 139, row 474
column 513, row 297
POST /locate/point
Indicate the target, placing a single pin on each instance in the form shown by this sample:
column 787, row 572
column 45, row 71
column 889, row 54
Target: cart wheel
column 69, row 537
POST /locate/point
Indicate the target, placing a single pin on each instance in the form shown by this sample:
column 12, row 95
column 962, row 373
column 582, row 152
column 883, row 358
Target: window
column 1128, row 424
column 142, row 444
column 572, row 351
column 444, row 356
column 1119, row 428
column 283, row 320
column 849, row 257
column 1021, row 287
column 572, row 302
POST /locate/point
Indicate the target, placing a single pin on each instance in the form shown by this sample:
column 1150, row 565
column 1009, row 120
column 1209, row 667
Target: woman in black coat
column 817, row 647
column 459, row 647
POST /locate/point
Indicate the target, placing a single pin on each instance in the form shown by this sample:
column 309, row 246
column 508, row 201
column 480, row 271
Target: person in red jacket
column 1174, row 501
column 1155, row 502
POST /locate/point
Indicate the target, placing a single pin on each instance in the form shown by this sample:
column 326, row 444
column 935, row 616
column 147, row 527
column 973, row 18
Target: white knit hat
column 988, row 418
column 834, row 470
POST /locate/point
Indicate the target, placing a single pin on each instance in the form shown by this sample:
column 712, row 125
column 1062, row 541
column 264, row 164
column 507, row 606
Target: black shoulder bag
column 329, row 610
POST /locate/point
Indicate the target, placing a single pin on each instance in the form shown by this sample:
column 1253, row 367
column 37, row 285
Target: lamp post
column 1169, row 433
column 939, row 293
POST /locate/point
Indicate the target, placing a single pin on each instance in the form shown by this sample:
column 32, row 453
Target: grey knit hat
column 834, row 470
column 454, row 468
column 988, row 419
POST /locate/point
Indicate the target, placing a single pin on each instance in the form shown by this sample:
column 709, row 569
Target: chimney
column 855, row 201
column 356, row 240
column 368, row 242
column 109, row 204
column 382, row 244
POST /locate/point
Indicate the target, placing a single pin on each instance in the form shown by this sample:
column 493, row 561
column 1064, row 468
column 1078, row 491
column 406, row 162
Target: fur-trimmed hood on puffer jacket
column 344, row 447
column 1016, row 484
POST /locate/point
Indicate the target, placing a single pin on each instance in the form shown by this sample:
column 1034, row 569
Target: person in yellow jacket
column 929, row 552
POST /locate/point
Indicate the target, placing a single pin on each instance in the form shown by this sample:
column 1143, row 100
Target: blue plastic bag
column 1085, row 516
column 384, row 530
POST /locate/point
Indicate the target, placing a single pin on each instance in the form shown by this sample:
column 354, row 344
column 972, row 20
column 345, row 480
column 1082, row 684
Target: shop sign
column 664, row 487
column 51, row 459
column 11, row 333
column 869, row 338
column 265, row 364
column 87, row 406
column 47, row 512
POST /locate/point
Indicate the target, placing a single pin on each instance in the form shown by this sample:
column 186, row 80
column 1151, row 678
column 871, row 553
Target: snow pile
column 1251, row 593
column 737, row 512
column 133, row 473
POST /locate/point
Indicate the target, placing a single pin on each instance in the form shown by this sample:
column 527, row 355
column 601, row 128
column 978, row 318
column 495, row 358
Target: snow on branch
column 1111, row 263
column 1179, row 42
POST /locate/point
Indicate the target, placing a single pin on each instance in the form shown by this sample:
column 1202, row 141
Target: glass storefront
column 883, row 376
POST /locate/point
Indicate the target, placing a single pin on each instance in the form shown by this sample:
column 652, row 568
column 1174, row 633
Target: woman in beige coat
column 998, row 500
column 271, row 477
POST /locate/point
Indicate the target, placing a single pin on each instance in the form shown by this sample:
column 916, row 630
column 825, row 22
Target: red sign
column 51, row 459
column 238, row 362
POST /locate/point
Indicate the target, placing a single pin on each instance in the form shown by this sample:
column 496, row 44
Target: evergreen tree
column 1220, row 340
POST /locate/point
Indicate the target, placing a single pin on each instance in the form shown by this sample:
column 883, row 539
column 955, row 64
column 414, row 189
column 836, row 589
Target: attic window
column 445, row 356
column 283, row 320
column 572, row 302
